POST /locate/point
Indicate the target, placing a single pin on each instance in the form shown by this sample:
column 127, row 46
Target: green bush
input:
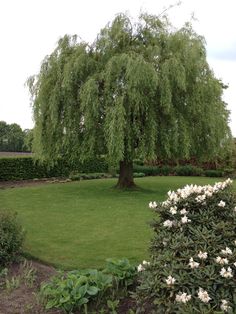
column 214, row 173
column 11, row 238
column 153, row 170
column 188, row 170
column 193, row 264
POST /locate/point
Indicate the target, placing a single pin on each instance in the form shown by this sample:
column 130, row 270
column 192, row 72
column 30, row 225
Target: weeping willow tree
column 141, row 89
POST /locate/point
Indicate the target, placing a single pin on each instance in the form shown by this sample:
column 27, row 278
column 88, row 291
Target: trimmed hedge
column 154, row 170
column 26, row 168
column 188, row 170
column 214, row 173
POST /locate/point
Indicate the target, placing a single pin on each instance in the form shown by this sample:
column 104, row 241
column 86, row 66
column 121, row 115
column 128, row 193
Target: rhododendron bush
column 193, row 252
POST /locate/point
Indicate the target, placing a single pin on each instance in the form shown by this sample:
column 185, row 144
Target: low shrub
column 74, row 289
column 214, row 173
column 88, row 176
column 153, row 170
column 138, row 174
column 79, row 288
column 11, row 238
column 188, row 170
column 193, row 262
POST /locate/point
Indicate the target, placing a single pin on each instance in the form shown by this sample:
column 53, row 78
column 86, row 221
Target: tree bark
column 126, row 179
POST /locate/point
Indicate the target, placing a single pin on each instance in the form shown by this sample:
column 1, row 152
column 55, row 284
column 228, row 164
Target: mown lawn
column 80, row 224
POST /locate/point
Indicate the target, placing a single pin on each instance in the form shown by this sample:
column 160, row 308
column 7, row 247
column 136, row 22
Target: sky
column 30, row 29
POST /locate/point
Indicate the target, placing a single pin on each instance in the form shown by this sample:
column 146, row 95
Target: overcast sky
column 30, row 29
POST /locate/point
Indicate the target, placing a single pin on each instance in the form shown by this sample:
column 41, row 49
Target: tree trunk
column 126, row 179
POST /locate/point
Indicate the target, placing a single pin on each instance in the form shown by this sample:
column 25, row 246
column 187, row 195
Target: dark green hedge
column 26, row 168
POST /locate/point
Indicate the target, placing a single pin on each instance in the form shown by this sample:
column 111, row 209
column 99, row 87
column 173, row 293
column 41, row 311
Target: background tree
column 140, row 90
column 3, row 135
column 11, row 137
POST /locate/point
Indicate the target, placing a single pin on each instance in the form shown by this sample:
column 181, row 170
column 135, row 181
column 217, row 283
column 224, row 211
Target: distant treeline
column 14, row 139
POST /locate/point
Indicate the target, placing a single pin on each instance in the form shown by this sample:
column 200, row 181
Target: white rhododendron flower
column 208, row 194
column 152, row 205
column 140, row 268
column 224, row 306
column 168, row 223
column 193, row 264
column 185, row 220
column 202, row 255
column 221, row 260
column 227, row 251
column 183, row 211
column 173, row 210
column 183, row 297
column 202, row 191
column 235, row 264
column 170, row 280
column 200, row 198
column 226, row 273
column 203, row 295
column 146, row 263
column 221, row 204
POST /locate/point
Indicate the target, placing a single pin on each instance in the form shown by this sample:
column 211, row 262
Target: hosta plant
column 75, row 289
column 193, row 253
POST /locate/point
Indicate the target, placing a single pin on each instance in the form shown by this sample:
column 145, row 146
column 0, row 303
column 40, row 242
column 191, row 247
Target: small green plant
column 121, row 270
column 3, row 275
column 28, row 273
column 11, row 238
column 12, row 283
column 112, row 306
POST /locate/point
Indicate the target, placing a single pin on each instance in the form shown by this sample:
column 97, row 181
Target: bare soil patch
column 23, row 298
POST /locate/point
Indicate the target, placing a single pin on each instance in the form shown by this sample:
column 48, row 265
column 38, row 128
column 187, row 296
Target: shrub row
column 187, row 170
column 27, row 168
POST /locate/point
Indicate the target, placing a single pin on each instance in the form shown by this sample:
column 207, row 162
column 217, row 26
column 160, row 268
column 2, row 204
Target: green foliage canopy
column 141, row 89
